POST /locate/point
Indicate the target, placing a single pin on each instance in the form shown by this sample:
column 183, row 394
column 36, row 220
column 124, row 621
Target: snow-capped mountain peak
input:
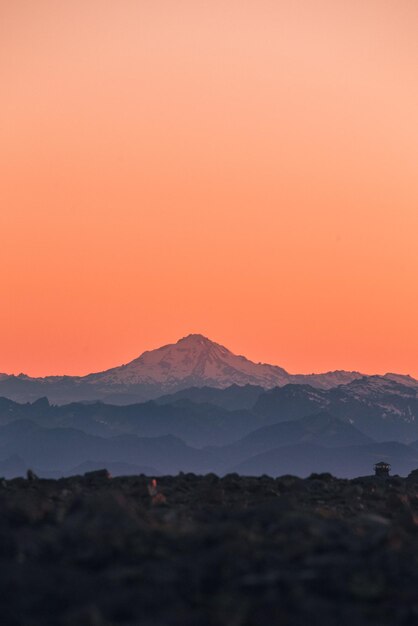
column 192, row 360
column 195, row 360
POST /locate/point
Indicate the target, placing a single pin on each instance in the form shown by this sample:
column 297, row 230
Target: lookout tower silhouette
column 382, row 469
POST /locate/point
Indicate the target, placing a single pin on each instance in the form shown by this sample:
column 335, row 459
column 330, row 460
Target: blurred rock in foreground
column 199, row 550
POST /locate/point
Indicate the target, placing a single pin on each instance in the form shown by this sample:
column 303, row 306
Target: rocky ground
column 199, row 550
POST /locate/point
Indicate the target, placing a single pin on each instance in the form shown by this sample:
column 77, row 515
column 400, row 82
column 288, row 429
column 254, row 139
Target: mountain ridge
column 193, row 361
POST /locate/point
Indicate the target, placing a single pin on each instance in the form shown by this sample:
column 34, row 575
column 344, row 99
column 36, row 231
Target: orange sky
column 245, row 169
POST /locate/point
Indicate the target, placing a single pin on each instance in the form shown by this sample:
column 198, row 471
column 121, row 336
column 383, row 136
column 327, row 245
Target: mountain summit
column 195, row 360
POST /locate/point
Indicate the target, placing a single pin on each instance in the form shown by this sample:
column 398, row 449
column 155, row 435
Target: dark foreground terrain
column 233, row 551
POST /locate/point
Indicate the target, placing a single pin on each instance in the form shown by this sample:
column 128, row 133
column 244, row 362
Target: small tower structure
column 382, row 469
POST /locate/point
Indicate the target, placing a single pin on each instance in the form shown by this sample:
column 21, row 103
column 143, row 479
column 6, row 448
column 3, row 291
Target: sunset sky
column 244, row 169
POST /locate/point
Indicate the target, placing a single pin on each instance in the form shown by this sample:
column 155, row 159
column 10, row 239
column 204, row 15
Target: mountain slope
column 320, row 429
column 231, row 398
column 195, row 360
column 380, row 407
column 191, row 361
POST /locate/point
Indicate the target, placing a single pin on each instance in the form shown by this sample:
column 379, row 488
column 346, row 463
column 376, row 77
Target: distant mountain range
column 194, row 406
column 295, row 429
column 193, row 361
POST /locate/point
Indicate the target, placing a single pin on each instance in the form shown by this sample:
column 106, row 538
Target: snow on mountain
column 193, row 360
column 376, row 386
column 196, row 360
column 394, row 399
column 327, row 379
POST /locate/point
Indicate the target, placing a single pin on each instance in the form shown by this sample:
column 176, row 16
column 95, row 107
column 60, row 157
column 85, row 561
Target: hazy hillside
column 345, row 462
column 231, row 398
column 321, row 429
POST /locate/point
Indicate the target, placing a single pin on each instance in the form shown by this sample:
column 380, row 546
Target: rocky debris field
column 202, row 550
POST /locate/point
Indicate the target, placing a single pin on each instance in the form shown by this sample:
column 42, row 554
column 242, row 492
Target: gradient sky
column 244, row 169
